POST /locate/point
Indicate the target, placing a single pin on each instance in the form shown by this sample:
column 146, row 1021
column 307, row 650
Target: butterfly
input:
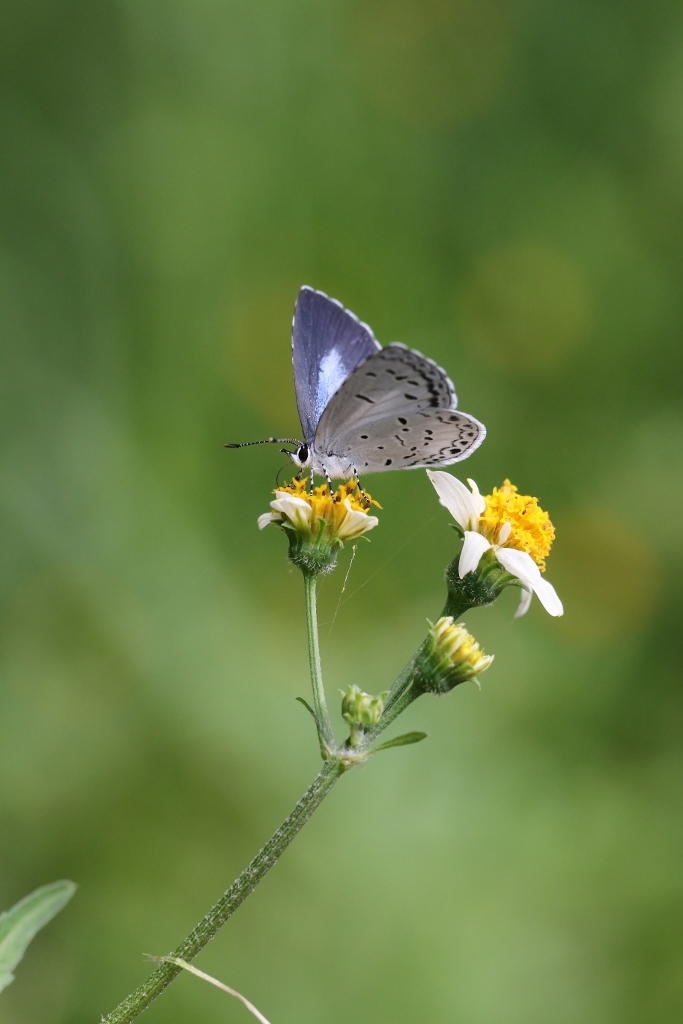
column 364, row 408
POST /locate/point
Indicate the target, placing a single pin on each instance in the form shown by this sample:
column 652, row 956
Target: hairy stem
column 231, row 899
column 325, row 734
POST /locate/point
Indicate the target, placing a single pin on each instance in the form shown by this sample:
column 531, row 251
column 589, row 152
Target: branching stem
column 336, row 763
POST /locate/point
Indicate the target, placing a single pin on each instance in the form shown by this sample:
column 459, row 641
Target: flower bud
column 361, row 711
column 450, row 656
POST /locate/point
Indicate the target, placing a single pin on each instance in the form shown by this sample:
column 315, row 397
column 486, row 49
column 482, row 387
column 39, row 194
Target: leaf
column 402, row 741
column 19, row 925
column 308, row 708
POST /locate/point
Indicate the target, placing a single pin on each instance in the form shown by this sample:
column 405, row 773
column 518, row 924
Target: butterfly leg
column 364, row 498
column 327, row 477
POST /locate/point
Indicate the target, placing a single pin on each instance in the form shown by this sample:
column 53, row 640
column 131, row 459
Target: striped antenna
column 268, row 440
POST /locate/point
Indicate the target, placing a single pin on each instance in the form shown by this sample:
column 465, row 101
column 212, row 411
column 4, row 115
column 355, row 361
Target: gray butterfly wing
column 328, row 343
column 396, row 411
column 410, row 441
column 394, row 381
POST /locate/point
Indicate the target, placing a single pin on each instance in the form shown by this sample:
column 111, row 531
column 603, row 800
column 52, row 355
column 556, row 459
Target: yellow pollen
column 328, row 506
column 531, row 530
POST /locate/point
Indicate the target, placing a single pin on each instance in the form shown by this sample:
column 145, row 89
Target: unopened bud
column 361, row 711
column 450, row 656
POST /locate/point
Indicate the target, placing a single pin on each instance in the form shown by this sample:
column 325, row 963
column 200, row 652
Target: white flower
column 501, row 533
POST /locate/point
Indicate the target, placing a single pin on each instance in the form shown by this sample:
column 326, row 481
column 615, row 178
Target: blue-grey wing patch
column 328, row 343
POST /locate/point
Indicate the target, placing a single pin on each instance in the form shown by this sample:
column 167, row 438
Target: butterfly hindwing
column 435, row 437
column 328, row 343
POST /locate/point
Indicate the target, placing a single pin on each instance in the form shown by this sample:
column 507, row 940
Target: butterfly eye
column 302, row 454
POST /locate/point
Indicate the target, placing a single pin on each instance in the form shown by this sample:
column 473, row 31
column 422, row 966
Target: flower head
column 450, row 656
column 319, row 523
column 526, row 527
column 511, row 525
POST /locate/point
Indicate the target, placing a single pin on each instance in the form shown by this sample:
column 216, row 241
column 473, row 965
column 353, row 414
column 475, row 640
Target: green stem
column 231, row 899
column 322, row 715
column 401, row 695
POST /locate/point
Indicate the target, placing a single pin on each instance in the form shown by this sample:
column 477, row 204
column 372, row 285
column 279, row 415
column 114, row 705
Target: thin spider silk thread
column 398, row 550
column 372, row 575
column 341, row 594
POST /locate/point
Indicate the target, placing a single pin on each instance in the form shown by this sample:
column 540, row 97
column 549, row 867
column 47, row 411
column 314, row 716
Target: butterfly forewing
column 328, row 343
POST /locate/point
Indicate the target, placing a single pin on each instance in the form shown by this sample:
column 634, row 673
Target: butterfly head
column 301, row 456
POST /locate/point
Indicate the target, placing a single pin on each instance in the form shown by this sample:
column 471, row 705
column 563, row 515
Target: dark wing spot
column 366, row 399
column 411, row 398
column 370, row 373
column 388, row 462
column 402, row 420
column 363, row 437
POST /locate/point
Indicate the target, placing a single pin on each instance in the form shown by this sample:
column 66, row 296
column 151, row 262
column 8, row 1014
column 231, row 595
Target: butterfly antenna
column 268, row 440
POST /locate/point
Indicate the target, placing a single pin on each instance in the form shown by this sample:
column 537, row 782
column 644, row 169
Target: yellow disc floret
column 328, row 506
column 530, row 527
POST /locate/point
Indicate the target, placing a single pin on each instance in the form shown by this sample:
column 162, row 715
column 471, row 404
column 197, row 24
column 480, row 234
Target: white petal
column 547, row 595
column 464, row 506
column 355, row 523
column 474, row 547
column 266, row 519
column 524, row 603
column 295, row 509
column 522, row 565
column 504, row 532
column 478, row 499
column 293, row 499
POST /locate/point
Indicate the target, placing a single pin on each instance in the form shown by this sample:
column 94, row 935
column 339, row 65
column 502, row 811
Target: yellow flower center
column 328, row 506
column 531, row 529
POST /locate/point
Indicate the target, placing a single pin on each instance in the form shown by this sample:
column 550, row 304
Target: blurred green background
column 497, row 184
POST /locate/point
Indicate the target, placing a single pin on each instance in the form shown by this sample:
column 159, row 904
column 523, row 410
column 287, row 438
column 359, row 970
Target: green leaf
column 308, row 708
column 402, row 741
column 19, row 925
